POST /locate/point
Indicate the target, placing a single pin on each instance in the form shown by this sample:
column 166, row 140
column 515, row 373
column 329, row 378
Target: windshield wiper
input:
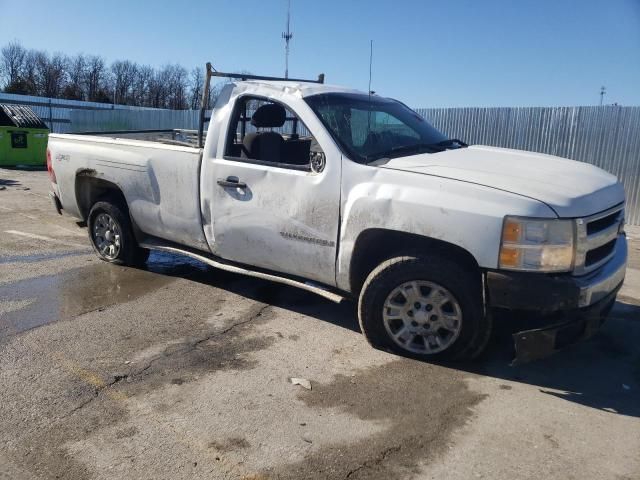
column 416, row 148
column 450, row 141
column 403, row 150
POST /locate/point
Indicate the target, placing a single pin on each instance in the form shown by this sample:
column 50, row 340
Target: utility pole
column 287, row 37
column 603, row 90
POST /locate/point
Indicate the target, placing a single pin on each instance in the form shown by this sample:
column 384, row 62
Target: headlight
column 542, row 245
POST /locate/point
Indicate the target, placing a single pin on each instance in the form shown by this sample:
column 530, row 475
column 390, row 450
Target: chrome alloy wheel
column 422, row 317
column 107, row 236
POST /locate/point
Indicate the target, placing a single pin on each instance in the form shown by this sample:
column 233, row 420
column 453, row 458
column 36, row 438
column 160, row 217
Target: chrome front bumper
column 594, row 287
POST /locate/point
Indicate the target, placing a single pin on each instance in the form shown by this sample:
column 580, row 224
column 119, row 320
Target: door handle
column 232, row 182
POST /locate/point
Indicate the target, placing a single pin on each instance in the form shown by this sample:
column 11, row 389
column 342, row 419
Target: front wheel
column 425, row 307
column 112, row 237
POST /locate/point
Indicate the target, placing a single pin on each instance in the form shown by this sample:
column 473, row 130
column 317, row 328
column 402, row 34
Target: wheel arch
column 89, row 189
column 375, row 245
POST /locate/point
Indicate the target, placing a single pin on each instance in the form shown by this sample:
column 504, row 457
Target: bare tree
column 176, row 78
column 124, row 76
column 157, row 91
column 50, row 74
column 141, row 85
column 29, row 73
column 169, row 88
column 96, row 79
column 12, row 62
column 76, row 74
column 196, row 84
column 86, row 77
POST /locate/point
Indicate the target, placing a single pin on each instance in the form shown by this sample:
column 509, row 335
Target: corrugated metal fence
column 56, row 113
column 608, row 137
column 100, row 121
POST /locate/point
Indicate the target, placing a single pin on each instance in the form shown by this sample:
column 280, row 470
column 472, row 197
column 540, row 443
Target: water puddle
column 175, row 265
column 77, row 291
column 41, row 257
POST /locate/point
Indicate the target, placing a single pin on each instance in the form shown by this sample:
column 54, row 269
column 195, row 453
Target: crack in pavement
column 99, row 385
column 381, row 457
column 97, row 389
column 190, row 346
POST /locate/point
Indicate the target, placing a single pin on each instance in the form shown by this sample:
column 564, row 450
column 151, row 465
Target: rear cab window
column 267, row 132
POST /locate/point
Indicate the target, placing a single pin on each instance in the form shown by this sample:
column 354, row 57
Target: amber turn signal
column 509, row 257
column 511, row 231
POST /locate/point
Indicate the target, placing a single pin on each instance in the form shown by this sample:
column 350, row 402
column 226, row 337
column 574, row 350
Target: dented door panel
column 285, row 219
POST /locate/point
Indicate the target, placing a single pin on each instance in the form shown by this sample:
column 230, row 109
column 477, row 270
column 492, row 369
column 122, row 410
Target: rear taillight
column 52, row 174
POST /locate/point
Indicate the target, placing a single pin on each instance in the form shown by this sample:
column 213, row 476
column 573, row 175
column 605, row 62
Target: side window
column 267, row 131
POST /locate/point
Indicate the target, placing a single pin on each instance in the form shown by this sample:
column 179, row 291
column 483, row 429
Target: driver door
column 275, row 212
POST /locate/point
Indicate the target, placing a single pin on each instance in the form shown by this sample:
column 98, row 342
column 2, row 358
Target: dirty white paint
column 306, row 224
column 285, row 220
column 573, row 189
column 160, row 182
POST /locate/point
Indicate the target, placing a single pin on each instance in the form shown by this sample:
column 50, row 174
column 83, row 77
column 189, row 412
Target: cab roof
column 303, row 89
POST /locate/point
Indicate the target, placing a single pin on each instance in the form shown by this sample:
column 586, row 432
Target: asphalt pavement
column 181, row 371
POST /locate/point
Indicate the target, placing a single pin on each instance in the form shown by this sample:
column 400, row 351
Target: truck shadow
column 282, row 296
column 602, row 372
column 8, row 183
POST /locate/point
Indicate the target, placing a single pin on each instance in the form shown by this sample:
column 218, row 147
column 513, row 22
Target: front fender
column 467, row 215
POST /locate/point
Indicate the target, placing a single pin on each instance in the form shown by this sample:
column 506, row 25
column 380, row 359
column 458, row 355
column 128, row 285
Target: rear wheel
column 112, row 237
column 426, row 307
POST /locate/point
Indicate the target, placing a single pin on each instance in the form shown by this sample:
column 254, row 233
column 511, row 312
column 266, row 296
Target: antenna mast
column 287, row 37
column 370, row 64
column 603, row 90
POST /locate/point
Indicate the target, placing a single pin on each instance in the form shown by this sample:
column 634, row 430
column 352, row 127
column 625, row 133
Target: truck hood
column 570, row 188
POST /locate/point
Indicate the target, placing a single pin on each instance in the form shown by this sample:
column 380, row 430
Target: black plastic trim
column 287, row 166
column 541, row 292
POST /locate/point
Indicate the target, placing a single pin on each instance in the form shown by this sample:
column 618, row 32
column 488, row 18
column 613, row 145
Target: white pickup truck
column 353, row 195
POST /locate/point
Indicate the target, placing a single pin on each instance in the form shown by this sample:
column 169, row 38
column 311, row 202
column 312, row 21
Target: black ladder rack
column 246, row 76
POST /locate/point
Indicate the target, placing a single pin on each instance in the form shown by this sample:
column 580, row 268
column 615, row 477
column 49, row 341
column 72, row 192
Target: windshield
column 371, row 128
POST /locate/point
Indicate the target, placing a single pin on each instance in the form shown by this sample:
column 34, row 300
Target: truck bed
column 176, row 136
column 157, row 171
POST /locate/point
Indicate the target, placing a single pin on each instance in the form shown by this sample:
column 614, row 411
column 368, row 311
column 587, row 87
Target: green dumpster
column 23, row 137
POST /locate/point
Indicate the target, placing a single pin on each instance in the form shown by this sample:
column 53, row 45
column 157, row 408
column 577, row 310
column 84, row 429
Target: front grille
column 596, row 239
column 600, row 253
column 600, row 224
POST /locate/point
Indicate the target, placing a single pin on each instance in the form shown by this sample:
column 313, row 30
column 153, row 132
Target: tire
column 457, row 329
column 111, row 235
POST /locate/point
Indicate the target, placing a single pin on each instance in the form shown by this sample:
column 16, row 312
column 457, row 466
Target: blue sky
column 426, row 53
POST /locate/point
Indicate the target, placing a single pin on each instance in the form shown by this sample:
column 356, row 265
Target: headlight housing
column 538, row 245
